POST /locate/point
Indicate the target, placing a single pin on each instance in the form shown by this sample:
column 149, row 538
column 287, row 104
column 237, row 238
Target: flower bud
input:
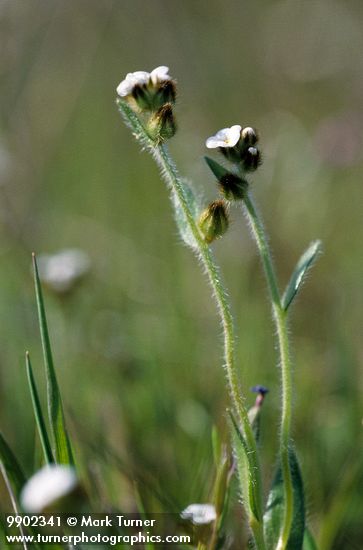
column 148, row 91
column 161, row 125
column 251, row 159
column 214, row 222
column 233, row 187
column 249, row 136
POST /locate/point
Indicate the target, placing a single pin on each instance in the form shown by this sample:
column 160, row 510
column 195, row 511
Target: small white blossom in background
column 47, row 486
column 140, row 78
column 200, row 514
column 61, row 271
column 227, row 137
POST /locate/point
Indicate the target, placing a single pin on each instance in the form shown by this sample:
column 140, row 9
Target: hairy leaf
column 299, row 274
column 243, row 467
column 275, row 508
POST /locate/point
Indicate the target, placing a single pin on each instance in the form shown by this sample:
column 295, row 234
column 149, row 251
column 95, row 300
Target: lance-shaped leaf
column 309, row 542
column 275, row 508
column 11, row 466
column 180, row 218
column 299, row 273
column 62, row 448
column 39, row 418
column 249, row 498
column 218, row 170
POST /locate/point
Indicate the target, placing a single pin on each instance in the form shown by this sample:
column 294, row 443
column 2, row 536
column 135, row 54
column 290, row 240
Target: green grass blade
column 11, row 467
column 12, row 499
column 299, row 274
column 39, row 419
column 275, row 508
column 62, row 448
column 309, row 542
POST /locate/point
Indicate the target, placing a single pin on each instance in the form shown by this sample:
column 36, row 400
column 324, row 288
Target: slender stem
column 13, row 500
column 175, row 184
column 280, row 319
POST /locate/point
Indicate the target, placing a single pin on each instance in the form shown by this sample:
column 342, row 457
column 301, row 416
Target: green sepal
column 274, row 513
column 299, row 274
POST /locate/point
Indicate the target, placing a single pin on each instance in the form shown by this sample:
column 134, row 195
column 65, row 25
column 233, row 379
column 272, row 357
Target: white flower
column 47, row 486
column 227, row 137
column 160, row 74
column 62, row 270
column 131, row 80
column 200, row 514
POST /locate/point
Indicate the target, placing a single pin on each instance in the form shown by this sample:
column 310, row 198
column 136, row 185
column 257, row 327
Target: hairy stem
column 280, row 319
column 175, row 184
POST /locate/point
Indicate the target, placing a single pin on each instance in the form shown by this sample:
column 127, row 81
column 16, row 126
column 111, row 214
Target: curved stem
column 280, row 319
column 175, row 184
column 171, row 176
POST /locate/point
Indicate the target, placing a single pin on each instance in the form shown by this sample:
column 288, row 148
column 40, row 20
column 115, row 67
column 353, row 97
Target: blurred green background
column 137, row 346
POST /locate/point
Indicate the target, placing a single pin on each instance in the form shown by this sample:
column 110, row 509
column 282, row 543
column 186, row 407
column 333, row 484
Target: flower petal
column 226, row 137
column 131, row 80
column 160, row 74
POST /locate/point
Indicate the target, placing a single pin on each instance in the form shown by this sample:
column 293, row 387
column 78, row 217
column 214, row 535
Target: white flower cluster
column 229, row 137
column 140, row 78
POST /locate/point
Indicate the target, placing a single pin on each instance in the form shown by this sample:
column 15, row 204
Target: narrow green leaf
column 181, row 221
column 62, row 449
column 309, row 542
column 39, row 419
column 216, row 446
column 243, row 467
column 299, row 273
column 218, row 170
column 11, row 466
column 275, row 508
column 143, row 514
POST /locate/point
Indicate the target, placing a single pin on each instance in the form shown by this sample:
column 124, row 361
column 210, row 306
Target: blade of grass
column 11, row 466
column 39, row 419
column 62, row 447
column 13, row 499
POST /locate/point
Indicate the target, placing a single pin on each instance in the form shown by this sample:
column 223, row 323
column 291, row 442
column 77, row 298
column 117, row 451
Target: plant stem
column 280, row 320
column 175, row 184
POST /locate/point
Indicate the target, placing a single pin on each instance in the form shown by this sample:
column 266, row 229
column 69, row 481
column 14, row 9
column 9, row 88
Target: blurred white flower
column 131, row 80
column 47, row 486
column 227, row 137
column 160, row 74
column 62, row 270
column 200, row 514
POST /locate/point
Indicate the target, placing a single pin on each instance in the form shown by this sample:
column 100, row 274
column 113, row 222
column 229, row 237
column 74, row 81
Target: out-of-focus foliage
column 136, row 343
